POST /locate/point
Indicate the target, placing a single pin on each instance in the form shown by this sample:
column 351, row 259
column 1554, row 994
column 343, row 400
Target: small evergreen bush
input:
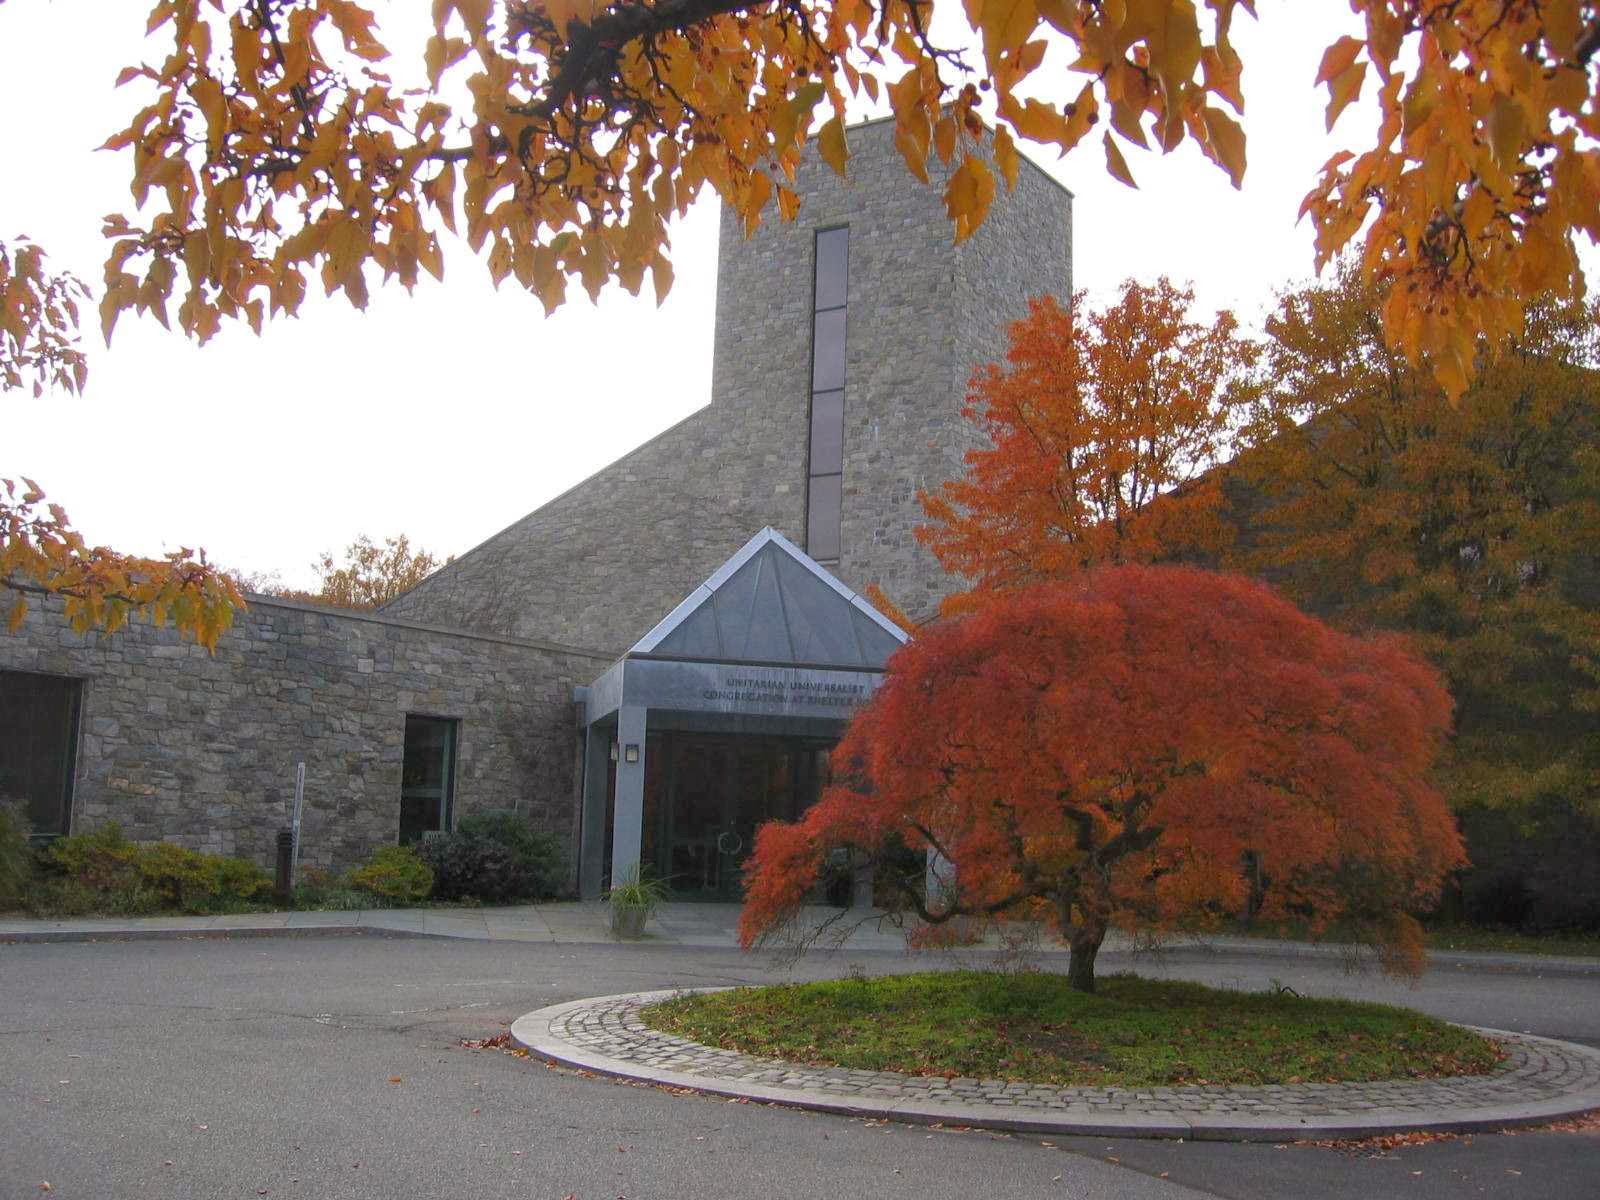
column 496, row 858
column 473, row 868
column 396, row 873
column 540, row 854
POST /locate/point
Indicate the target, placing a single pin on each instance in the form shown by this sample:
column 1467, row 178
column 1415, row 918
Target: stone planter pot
column 627, row 920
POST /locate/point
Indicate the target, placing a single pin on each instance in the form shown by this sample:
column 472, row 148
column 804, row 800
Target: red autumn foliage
column 1095, row 439
column 1114, row 748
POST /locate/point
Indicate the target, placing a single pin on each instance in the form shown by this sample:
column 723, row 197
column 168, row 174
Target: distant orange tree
column 369, row 577
column 1099, row 430
column 372, row 575
column 1114, row 749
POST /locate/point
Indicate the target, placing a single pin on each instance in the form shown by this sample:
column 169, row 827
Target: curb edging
column 533, row 1032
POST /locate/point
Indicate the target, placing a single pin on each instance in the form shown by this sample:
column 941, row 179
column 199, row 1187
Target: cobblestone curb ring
column 1541, row 1080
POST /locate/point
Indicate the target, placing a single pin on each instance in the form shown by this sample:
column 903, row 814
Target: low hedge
column 103, row 871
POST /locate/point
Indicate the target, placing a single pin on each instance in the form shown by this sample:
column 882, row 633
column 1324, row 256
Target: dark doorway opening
column 39, row 746
column 705, row 795
column 427, row 777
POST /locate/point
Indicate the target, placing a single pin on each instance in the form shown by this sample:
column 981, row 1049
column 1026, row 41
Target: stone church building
column 647, row 666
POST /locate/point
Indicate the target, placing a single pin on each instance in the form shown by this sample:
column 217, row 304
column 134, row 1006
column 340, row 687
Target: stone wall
column 599, row 565
column 200, row 749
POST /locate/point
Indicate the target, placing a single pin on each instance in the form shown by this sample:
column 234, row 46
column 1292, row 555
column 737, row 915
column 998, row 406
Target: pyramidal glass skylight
column 771, row 603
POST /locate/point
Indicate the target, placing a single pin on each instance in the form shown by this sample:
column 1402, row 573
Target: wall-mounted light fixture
column 613, row 752
column 632, row 752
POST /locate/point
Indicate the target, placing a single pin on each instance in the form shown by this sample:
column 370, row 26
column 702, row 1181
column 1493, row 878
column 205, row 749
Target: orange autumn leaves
column 38, row 323
column 42, row 556
column 1100, row 428
column 1108, row 748
column 277, row 152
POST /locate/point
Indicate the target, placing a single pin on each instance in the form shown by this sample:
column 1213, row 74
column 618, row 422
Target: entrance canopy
column 770, row 646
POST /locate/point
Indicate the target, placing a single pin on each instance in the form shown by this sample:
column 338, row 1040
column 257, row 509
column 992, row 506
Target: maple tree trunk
column 1085, row 943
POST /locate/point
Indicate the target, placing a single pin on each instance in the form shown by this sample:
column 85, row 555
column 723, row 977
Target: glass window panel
column 732, row 601
column 827, row 433
column 833, row 268
column 877, row 643
column 822, row 516
column 767, row 639
column 827, row 358
column 819, row 620
column 696, row 637
column 426, row 776
column 38, row 740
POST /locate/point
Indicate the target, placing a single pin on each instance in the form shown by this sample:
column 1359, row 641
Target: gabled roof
column 772, row 603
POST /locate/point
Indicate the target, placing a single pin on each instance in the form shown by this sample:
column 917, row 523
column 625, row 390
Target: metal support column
column 627, row 822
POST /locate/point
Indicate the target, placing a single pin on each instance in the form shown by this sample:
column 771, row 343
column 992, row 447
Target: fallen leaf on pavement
column 394, row 1079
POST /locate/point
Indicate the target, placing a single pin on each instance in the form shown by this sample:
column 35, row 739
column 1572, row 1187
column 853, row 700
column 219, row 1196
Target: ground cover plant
column 1034, row 1026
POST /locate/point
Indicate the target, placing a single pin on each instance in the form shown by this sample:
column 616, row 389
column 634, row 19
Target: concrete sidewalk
column 681, row 924
column 570, row 921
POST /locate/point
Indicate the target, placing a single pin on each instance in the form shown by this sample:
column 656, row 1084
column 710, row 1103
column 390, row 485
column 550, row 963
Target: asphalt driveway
column 332, row 1067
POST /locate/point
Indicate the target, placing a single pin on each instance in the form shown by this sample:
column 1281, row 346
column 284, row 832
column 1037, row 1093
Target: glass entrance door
column 711, row 796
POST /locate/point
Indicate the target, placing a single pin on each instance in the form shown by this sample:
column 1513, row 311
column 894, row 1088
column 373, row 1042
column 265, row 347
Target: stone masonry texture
column 200, row 749
column 600, row 564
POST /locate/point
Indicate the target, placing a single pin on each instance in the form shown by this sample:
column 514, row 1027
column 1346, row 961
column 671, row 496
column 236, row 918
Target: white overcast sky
column 449, row 414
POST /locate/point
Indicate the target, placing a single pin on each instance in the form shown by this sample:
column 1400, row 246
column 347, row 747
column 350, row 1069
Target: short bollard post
column 285, row 881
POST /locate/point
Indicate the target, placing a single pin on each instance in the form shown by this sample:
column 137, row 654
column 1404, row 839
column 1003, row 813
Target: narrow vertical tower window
column 825, row 458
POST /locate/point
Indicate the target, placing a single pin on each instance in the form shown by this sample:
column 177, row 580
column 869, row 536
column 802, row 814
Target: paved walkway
column 1540, row 1080
column 682, row 924
column 567, row 921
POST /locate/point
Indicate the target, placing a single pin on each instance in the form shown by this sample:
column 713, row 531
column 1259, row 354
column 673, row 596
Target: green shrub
column 395, row 873
column 102, row 860
column 58, row 896
column 102, row 871
column 241, row 879
column 541, row 855
column 16, row 857
column 474, row 868
column 494, row 857
column 319, row 889
column 180, row 876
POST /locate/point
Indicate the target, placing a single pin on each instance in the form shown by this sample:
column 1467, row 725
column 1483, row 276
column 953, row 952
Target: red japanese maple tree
column 1115, row 748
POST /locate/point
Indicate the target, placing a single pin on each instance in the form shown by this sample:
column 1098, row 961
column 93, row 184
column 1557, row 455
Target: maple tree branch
column 297, row 90
column 593, row 50
column 1587, row 44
